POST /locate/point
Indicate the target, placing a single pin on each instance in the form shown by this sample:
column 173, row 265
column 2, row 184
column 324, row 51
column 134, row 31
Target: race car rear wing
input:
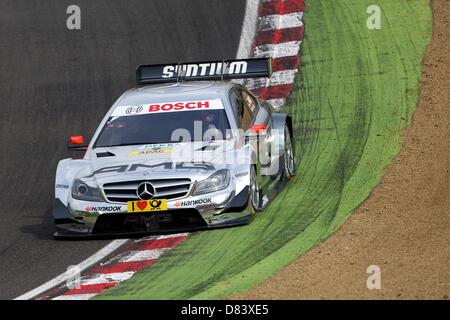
column 204, row 71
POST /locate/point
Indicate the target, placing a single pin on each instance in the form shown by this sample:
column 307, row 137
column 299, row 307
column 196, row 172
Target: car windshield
column 150, row 128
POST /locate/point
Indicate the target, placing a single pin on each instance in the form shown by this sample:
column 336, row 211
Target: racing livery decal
column 103, row 209
column 192, row 202
column 168, row 107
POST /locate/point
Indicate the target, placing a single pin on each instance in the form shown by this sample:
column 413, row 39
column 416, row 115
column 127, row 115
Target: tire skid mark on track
column 137, row 255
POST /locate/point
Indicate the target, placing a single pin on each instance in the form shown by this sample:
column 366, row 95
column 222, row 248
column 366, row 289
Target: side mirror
column 256, row 132
column 258, row 127
column 76, row 143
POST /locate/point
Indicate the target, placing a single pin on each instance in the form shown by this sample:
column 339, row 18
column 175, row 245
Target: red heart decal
column 142, row 205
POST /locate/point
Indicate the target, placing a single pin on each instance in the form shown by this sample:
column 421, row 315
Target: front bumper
column 221, row 209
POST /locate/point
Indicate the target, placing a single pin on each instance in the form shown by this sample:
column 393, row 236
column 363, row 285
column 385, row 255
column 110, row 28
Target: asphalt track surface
column 56, row 82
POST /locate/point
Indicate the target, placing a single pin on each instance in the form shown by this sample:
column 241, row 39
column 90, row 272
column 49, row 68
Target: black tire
column 254, row 192
column 290, row 161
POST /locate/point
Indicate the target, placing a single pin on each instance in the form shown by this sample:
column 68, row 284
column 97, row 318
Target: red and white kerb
column 279, row 36
column 135, row 256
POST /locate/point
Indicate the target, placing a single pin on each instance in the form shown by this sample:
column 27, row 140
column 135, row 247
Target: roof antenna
column 224, row 67
column 179, row 72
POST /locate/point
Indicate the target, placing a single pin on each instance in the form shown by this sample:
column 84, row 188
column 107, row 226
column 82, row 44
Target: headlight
column 218, row 181
column 82, row 191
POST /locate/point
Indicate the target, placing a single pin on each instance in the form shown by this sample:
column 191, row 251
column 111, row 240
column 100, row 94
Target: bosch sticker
column 174, row 106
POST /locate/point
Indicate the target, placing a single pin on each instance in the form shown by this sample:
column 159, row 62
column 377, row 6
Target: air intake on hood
column 208, row 148
column 105, row 154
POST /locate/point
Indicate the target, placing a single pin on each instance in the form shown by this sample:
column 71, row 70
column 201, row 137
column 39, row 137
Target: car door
column 262, row 120
column 261, row 114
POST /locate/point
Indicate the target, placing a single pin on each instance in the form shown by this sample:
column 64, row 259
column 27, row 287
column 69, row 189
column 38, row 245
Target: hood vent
column 105, row 154
column 208, row 148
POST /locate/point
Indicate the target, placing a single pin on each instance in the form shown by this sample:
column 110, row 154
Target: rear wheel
column 289, row 154
column 255, row 198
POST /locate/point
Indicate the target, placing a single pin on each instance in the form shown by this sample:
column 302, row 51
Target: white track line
column 248, row 29
column 99, row 255
column 248, row 33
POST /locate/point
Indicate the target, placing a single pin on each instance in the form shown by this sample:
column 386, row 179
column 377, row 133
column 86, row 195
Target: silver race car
column 182, row 151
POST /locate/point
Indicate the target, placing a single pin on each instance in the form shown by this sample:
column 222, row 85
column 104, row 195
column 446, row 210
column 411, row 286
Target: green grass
column 356, row 91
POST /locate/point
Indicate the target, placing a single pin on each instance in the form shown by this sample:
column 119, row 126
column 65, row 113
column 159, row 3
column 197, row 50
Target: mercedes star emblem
column 145, row 191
